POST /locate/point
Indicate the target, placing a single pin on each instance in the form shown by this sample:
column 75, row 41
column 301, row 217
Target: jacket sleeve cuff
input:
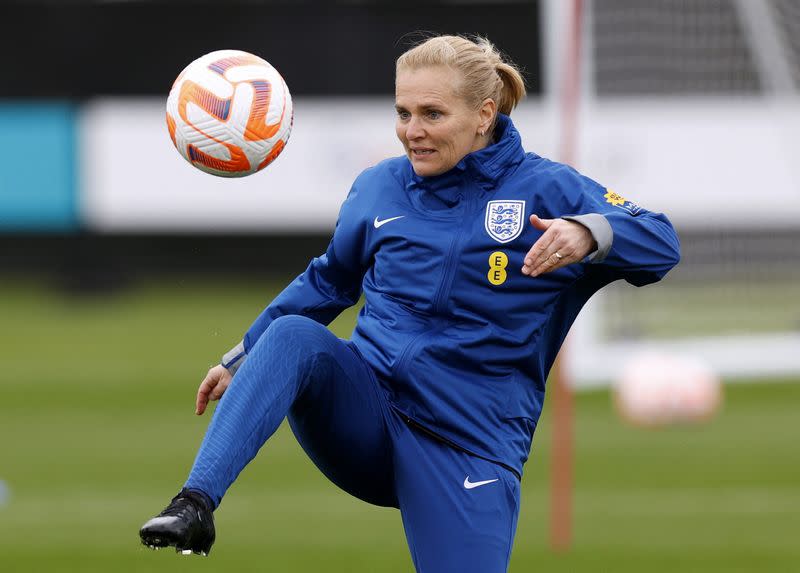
column 234, row 358
column 601, row 231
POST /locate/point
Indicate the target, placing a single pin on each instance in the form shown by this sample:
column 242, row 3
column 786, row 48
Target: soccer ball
column 658, row 388
column 229, row 113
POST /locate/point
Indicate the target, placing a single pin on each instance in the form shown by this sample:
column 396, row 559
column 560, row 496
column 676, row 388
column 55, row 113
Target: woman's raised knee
column 294, row 333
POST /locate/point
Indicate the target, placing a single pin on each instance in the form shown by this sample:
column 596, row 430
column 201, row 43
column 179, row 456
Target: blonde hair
column 484, row 72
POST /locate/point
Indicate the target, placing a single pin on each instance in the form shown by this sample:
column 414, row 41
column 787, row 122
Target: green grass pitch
column 97, row 432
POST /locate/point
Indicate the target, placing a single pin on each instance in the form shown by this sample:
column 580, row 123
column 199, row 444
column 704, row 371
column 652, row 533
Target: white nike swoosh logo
column 473, row 484
column 379, row 223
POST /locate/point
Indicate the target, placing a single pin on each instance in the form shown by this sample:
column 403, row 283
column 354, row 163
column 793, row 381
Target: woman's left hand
column 563, row 243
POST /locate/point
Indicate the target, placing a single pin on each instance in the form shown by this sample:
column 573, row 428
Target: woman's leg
column 298, row 366
column 459, row 512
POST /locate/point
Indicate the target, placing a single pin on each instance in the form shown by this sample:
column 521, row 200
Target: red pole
column 562, row 455
column 562, row 483
column 571, row 87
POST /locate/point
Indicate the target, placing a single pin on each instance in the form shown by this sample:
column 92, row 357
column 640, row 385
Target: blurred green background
column 691, row 107
column 98, row 432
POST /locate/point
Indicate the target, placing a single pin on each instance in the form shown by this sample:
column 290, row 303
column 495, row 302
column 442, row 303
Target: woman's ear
column 487, row 113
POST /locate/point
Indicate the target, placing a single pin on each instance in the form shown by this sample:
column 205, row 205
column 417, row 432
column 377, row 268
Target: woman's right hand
column 212, row 387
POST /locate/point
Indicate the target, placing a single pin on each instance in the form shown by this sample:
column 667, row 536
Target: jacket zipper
column 450, row 262
column 439, row 300
column 438, row 308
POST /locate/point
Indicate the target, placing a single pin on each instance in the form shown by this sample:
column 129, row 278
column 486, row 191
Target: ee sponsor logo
column 498, row 261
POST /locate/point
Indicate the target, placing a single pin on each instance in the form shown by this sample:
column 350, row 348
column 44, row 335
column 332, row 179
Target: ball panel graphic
column 229, row 113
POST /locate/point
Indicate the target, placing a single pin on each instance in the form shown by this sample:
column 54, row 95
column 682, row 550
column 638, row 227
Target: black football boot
column 187, row 524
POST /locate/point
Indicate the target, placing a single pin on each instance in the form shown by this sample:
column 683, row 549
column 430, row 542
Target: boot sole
column 156, row 542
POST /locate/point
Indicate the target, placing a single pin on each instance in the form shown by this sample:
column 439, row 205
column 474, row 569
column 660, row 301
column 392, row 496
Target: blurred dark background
column 71, row 52
column 323, row 47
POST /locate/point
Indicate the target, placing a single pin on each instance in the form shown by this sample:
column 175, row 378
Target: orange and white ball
column 661, row 388
column 229, row 113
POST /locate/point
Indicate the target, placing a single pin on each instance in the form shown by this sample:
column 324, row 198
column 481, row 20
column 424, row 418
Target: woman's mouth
column 422, row 152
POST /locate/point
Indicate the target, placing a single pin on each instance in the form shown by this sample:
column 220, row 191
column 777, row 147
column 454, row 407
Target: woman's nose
column 414, row 129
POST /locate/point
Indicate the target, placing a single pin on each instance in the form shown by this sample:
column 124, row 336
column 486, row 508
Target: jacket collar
column 487, row 165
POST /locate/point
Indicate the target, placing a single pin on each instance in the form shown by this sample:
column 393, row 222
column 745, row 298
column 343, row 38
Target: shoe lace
column 178, row 506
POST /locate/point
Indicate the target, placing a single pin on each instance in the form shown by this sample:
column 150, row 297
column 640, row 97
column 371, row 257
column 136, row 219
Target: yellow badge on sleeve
column 618, row 200
column 614, row 198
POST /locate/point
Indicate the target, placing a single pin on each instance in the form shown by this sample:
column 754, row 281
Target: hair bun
column 484, row 69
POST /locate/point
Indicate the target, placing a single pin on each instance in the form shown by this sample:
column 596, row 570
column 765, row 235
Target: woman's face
column 436, row 126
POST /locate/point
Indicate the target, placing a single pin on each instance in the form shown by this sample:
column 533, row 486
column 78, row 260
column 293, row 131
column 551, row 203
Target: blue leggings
column 340, row 415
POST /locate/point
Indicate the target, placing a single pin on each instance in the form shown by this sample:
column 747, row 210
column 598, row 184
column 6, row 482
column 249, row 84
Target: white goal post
column 692, row 109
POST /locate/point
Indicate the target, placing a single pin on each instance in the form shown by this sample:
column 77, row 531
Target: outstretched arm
column 601, row 227
column 321, row 293
column 330, row 283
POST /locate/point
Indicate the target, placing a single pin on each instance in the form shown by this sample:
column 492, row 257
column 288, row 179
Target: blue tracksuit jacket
column 460, row 339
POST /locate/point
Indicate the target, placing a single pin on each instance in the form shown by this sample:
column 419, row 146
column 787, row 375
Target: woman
column 431, row 407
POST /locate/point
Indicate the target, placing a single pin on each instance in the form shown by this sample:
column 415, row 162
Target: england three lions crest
column 504, row 220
